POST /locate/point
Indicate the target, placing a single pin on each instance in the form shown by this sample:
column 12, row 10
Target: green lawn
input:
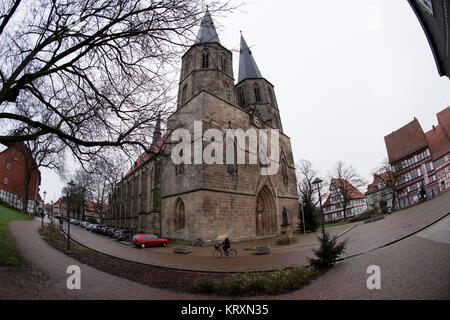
column 9, row 254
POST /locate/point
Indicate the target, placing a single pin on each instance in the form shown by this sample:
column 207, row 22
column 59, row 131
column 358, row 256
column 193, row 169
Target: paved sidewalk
column 361, row 237
column 414, row 268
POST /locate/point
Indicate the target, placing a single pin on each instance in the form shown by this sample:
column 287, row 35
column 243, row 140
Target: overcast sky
column 346, row 74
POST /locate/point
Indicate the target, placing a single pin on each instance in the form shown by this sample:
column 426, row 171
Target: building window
column 270, row 96
column 223, row 63
column 184, row 94
column 187, row 67
column 241, row 97
column 8, row 165
column 5, row 181
column 205, row 59
column 257, row 93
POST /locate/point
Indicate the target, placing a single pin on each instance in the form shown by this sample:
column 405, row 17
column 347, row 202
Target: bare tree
column 93, row 73
column 346, row 180
column 392, row 180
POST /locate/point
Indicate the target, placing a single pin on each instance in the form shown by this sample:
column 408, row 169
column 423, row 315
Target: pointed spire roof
column 157, row 132
column 247, row 65
column 207, row 32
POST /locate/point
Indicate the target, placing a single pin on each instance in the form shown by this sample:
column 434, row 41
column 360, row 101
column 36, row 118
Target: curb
column 269, row 269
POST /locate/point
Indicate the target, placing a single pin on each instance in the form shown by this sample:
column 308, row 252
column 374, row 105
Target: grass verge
column 9, row 254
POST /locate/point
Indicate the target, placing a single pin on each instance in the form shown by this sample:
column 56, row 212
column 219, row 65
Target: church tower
column 204, row 199
column 253, row 92
column 207, row 65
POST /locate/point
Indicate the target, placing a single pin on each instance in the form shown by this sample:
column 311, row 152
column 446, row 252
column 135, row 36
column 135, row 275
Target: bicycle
column 218, row 252
column 197, row 242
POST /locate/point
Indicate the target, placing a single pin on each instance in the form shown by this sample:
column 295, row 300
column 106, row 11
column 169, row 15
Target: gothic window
column 257, row 93
column 271, row 96
column 184, row 94
column 241, row 97
column 180, row 217
column 205, row 59
column 284, row 172
column 223, row 63
column 227, row 91
column 187, row 67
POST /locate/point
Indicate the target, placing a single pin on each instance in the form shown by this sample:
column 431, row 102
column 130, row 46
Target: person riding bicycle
column 226, row 245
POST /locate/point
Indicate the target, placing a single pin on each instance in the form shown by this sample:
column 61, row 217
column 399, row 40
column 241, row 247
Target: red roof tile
column 404, row 141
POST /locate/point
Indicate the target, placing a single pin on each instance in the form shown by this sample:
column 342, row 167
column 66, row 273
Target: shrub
column 236, row 285
column 328, row 252
column 205, row 285
column 295, row 277
column 256, row 284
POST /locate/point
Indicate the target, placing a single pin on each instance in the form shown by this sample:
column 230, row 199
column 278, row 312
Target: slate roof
column 247, row 65
column 207, row 32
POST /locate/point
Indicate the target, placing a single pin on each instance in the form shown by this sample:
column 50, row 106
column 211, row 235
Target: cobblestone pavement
column 361, row 237
column 414, row 268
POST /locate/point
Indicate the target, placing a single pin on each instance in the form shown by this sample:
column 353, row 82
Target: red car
column 143, row 240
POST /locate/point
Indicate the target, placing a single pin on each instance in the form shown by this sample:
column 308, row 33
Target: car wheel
column 142, row 245
column 164, row 244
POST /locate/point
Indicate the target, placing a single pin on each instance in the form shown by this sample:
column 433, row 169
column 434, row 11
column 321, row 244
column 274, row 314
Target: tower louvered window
column 205, row 59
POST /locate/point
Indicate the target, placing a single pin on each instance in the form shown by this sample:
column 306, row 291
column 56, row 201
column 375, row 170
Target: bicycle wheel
column 232, row 253
column 217, row 253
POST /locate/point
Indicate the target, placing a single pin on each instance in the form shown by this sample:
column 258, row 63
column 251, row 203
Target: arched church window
column 241, row 97
column 284, row 172
column 257, row 93
column 271, row 96
column 223, row 63
column 205, row 59
column 179, row 216
column 184, row 94
column 187, row 67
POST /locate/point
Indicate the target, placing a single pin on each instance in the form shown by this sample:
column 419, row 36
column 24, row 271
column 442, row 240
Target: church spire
column 207, row 32
column 247, row 65
column 157, row 132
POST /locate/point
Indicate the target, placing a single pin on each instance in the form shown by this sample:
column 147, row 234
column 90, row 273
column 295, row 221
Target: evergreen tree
column 309, row 212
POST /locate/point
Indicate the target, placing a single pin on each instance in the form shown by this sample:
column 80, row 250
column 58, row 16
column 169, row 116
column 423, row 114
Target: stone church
column 200, row 200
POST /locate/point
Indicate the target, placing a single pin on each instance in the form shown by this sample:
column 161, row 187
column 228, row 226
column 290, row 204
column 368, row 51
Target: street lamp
column 71, row 185
column 303, row 218
column 317, row 182
column 51, row 213
column 43, row 211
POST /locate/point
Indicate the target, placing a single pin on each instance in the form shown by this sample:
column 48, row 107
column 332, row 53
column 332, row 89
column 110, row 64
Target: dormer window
column 205, row 59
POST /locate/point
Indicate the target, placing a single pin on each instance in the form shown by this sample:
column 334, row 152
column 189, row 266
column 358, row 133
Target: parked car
column 99, row 227
column 122, row 235
column 83, row 224
column 110, row 231
column 143, row 240
column 93, row 227
column 103, row 230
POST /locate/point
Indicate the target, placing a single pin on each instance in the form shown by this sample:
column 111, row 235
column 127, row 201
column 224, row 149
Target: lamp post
column 317, row 182
column 43, row 211
column 71, row 185
column 303, row 218
column 51, row 213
